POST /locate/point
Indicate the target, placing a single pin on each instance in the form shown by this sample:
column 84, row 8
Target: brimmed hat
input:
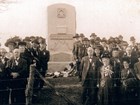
column 132, row 38
column 98, row 39
column 22, row 43
column 76, row 36
column 10, row 42
column 85, row 39
column 81, row 35
column 93, row 34
column 35, row 41
column 104, row 40
column 27, row 39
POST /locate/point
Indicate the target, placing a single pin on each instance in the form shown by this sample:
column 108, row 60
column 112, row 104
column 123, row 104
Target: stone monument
column 61, row 29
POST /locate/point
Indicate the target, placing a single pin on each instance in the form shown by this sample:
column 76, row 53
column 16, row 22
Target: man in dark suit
column 24, row 53
column 132, row 55
column 44, row 57
column 116, row 64
column 137, row 74
column 89, row 81
column 4, row 92
column 17, row 68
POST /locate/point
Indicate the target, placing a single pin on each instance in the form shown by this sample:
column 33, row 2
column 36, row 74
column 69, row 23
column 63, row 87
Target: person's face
column 34, row 45
column 103, row 43
column 105, row 61
column 28, row 45
column 128, row 50
column 84, row 42
column 97, row 51
column 80, row 38
column 132, row 42
column 2, row 53
column 93, row 37
column 120, row 38
column 124, row 47
column 42, row 46
column 87, row 42
column 11, row 47
column 115, row 53
column 16, row 53
column 76, row 39
column 90, row 51
column 21, row 49
column 125, row 64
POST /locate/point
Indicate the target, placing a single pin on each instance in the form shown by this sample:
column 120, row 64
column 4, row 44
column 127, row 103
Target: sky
column 104, row 17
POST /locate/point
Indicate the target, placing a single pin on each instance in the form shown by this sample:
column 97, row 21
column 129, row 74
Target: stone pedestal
column 61, row 29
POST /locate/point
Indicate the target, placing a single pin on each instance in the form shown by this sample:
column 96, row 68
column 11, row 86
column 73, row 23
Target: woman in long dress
column 105, row 82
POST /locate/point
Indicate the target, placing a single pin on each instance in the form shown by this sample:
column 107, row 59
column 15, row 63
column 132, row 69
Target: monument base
column 57, row 66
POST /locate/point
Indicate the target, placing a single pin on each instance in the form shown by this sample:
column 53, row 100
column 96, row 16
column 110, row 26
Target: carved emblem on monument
column 61, row 13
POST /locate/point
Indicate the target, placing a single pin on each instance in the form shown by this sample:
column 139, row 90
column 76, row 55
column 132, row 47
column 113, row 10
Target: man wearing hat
column 75, row 46
column 86, row 42
column 123, row 45
column 10, row 44
column 133, row 43
column 104, row 44
column 25, row 53
column 75, row 51
column 131, row 55
column 120, row 38
column 28, row 42
column 35, row 59
column 116, row 64
column 81, row 52
column 43, row 57
column 93, row 36
column 81, row 35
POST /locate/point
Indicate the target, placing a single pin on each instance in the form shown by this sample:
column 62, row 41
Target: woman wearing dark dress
column 129, row 84
column 105, row 81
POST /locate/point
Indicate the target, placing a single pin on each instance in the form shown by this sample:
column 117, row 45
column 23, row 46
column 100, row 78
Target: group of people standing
column 15, row 66
column 109, row 70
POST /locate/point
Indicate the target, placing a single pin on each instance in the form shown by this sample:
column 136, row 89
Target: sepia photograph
column 69, row 52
